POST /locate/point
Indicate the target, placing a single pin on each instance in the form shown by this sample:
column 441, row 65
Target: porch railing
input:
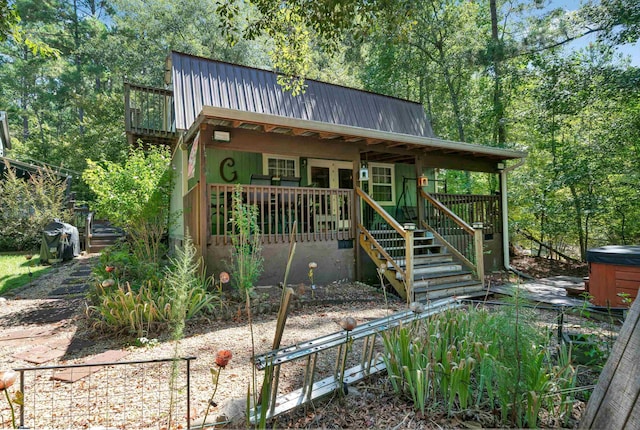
column 149, row 111
column 474, row 208
column 462, row 240
column 321, row 214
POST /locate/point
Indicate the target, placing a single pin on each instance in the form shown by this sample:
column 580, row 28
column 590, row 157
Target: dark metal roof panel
column 199, row 82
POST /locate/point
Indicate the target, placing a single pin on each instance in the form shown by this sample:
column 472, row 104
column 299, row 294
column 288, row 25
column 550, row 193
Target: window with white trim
column 382, row 185
column 280, row 166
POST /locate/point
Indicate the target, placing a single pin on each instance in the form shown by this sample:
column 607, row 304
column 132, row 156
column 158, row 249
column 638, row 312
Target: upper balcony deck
column 149, row 114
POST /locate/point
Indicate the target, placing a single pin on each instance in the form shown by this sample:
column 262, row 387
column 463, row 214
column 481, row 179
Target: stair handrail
column 384, row 214
column 87, row 231
column 473, row 231
column 407, row 235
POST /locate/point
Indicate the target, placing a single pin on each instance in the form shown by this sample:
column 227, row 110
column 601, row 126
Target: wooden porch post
column 408, row 268
column 356, row 214
column 419, row 198
column 206, row 134
column 478, row 246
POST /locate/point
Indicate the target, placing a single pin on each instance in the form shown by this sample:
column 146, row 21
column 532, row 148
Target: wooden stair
column 435, row 272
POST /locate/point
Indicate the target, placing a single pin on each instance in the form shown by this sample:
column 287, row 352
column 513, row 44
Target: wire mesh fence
column 146, row 394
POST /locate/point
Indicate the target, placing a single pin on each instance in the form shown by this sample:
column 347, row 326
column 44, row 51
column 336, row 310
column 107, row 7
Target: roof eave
column 351, row 131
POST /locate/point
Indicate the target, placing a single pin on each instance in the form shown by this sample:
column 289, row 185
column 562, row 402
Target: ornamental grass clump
column 473, row 358
column 181, row 294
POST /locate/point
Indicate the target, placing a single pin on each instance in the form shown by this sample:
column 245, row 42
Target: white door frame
column 333, row 166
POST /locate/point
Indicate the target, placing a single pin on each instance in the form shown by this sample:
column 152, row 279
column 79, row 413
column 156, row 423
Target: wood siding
column 606, row 281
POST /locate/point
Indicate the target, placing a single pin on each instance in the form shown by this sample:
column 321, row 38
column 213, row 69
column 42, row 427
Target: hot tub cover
column 622, row 255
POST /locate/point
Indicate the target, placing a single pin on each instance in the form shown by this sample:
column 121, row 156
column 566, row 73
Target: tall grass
column 496, row 360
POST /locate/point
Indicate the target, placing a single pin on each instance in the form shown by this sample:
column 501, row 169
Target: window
column 280, row 166
column 382, row 186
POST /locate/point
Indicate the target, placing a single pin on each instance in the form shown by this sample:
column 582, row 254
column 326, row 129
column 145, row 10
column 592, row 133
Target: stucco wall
column 333, row 263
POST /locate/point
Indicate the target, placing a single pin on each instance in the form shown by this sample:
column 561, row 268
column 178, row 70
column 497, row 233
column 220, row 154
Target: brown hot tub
column 614, row 271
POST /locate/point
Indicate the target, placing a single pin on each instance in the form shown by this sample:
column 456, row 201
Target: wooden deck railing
column 473, row 208
column 321, row 214
column 462, row 240
column 149, row 111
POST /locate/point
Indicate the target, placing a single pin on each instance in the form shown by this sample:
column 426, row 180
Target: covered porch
column 349, row 225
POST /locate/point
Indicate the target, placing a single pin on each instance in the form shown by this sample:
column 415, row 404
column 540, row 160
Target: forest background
column 544, row 77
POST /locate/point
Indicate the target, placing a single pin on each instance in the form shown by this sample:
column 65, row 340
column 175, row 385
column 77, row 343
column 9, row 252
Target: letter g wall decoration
column 228, row 162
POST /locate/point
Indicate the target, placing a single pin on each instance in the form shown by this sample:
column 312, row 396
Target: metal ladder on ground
column 369, row 362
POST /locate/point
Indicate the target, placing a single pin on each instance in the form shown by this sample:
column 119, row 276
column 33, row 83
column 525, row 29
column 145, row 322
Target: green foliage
column 133, row 190
column 246, row 251
column 27, row 206
column 17, row 271
column 475, row 357
column 154, row 305
column 127, row 266
column 149, row 309
column 182, row 281
column 135, row 196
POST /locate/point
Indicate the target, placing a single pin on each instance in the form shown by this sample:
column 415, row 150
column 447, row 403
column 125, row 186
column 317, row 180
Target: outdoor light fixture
column 221, row 136
column 500, row 166
column 364, row 172
column 423, row 181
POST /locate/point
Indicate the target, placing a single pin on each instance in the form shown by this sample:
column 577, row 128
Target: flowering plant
column 7, row 379
column 222, row 360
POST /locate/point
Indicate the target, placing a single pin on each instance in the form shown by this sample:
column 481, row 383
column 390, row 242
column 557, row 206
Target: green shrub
column 135, row 196
column 499, row 360
column 154, row 306
column 27, row 206
column 127, row 266
column 150, row 309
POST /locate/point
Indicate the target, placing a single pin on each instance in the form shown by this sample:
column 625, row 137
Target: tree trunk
column 497, row 51
column 578, row 214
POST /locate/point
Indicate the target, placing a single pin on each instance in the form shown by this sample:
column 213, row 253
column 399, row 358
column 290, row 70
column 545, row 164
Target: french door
column 331, row 213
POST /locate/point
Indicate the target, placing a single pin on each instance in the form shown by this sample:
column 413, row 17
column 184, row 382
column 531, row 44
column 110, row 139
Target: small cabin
column 353, row 171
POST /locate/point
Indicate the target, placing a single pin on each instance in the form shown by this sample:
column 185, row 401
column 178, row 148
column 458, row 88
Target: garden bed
column 370, row 403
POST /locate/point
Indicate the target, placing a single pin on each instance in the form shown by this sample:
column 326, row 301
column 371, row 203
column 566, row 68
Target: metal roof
column 199, row 82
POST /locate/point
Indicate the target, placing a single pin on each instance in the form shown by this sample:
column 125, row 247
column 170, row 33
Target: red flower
column 223, row 357
column 109, row 269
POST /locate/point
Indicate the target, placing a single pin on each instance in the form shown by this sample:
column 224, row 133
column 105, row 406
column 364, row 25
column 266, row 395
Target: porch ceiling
column 375, row 145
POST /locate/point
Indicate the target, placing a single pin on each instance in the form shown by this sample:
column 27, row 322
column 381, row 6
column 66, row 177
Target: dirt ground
column 369, row 404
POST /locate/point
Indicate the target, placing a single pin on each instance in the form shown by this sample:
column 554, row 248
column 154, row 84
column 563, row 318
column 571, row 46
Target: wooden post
column 127, row 107
column 478, row 246
column 615, row 401
column 283, row 313
column 408, row 268
column 419, row 198
column 356, row 212
column 204, row 215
